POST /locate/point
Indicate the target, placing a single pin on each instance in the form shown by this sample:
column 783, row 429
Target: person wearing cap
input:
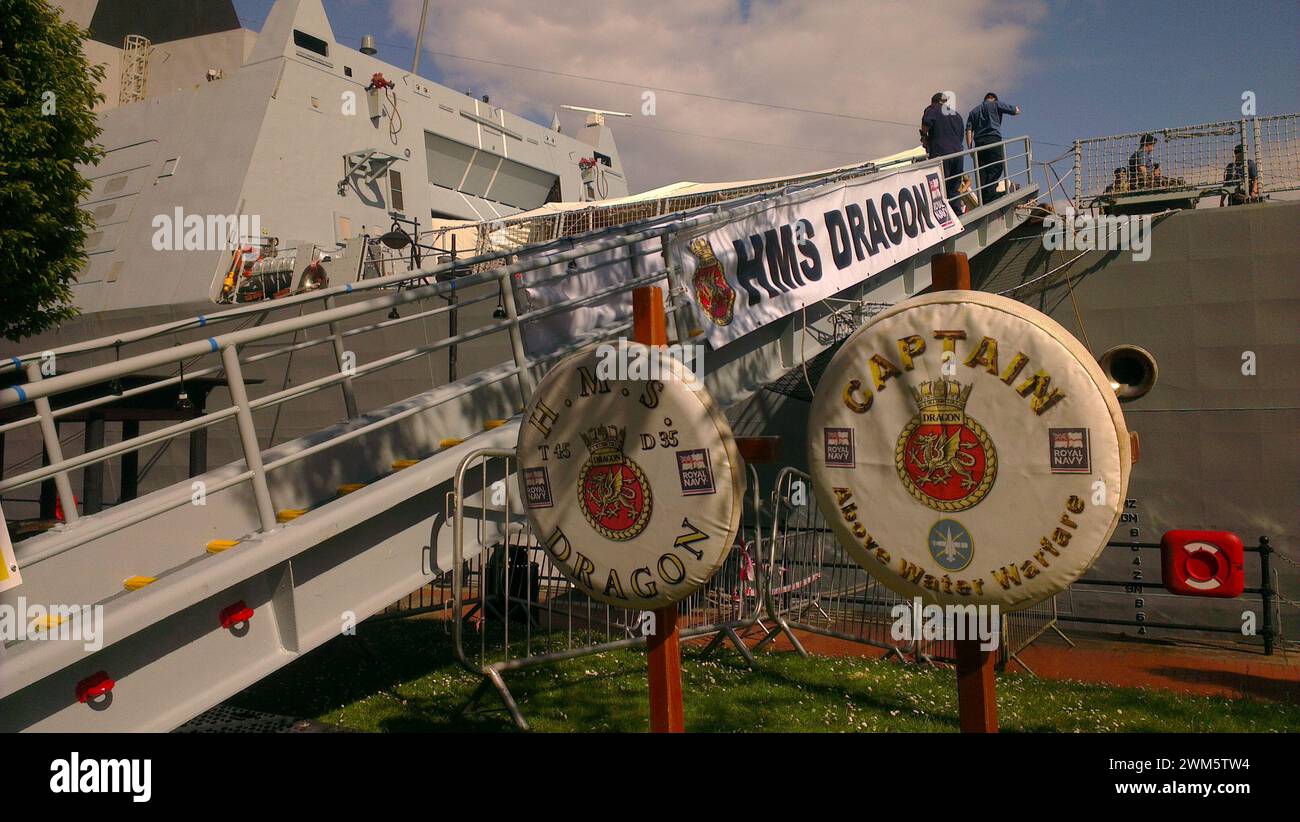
column 1232, row 173
column 1141, row 169
column 941, row 131
column 983, row 128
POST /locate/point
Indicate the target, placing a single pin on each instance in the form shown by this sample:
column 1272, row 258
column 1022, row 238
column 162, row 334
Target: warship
column 317, row 280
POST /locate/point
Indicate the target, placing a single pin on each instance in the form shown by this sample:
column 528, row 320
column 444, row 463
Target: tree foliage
column 47, row 129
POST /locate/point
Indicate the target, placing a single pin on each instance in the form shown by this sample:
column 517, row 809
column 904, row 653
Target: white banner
column 759, row 269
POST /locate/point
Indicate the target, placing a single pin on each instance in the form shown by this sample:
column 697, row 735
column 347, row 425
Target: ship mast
column 419, row 38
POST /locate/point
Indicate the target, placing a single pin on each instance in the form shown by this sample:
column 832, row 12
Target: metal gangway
column 198, row 589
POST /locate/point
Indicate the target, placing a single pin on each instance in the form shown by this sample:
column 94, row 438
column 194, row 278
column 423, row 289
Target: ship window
column 303, row 40
column 395, row 190
column 603, row 158
column 521, row 186
column 446, row 160
column 347, row 71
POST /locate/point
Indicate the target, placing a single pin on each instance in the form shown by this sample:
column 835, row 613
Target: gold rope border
column 637, row 527
column 981, row 490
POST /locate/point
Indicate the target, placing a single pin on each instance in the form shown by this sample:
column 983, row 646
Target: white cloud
column 879, row 59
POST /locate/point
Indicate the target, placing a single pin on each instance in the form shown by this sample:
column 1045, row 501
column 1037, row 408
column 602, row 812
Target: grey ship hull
column 1218, row 447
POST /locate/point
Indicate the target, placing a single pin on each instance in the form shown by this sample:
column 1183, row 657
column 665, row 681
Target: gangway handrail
column 228, row 345
column 114, row 341
column 111, row 342
column 14, row 395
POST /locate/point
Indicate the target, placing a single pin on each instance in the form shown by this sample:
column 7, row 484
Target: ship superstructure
column 289, row 147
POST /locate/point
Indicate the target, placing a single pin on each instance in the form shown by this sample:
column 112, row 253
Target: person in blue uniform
column 983, row 128
column 1233, row 173
column 941, row 133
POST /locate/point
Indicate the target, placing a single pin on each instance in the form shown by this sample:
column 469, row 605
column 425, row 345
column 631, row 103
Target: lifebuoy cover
column 965, row 448
column 634, row 486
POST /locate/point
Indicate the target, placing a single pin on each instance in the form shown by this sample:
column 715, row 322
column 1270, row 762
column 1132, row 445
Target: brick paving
column 1193, row 668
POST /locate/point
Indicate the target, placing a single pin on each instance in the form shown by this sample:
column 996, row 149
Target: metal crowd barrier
column 511, row 607
column 814, row 585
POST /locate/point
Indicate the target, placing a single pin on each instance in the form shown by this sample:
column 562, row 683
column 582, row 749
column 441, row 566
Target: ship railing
column 1215, row 615
column 991, row 172
column 688, row 209
column 220, row 346
column 513, row 233
column 1189, row 162
column 511, row 608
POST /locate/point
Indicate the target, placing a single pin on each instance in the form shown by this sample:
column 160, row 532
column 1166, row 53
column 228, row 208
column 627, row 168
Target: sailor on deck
column 1232, row 173
column 941, row 135
column 983, row 128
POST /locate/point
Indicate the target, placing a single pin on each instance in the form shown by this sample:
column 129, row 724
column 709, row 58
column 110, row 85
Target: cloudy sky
column 839, row 80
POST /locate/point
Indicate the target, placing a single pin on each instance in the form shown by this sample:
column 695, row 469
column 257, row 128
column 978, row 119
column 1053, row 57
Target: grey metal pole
column 524, row 377
column 1266, row 594
column 248, row 437
column 419, row 38
column 1245, row 166
column 340, row 353
column 1078, row 179
column 92, row 476
column 53, row 450
column 1259, row 160
column 675, row 288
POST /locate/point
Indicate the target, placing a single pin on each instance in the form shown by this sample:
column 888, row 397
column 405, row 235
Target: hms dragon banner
column 752, row 271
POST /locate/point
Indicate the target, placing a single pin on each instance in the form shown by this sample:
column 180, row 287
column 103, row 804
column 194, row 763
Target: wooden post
column 977, row 707
column 649, row 327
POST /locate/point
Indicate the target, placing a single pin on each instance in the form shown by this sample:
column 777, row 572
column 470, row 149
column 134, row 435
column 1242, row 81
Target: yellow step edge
column 216, row 546
column 288, row 514
column 450, row 442
column 136, row 583
column 400, row 464
column 350, row 487
column 48, row 621
column 488, row 425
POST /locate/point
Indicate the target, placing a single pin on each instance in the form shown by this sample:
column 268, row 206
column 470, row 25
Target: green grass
column 400, row 676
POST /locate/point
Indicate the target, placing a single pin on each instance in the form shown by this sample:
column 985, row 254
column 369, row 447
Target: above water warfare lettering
column 1055, row 539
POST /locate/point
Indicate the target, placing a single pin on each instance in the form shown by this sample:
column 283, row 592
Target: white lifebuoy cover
column 634, row 486
column 965, row 448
